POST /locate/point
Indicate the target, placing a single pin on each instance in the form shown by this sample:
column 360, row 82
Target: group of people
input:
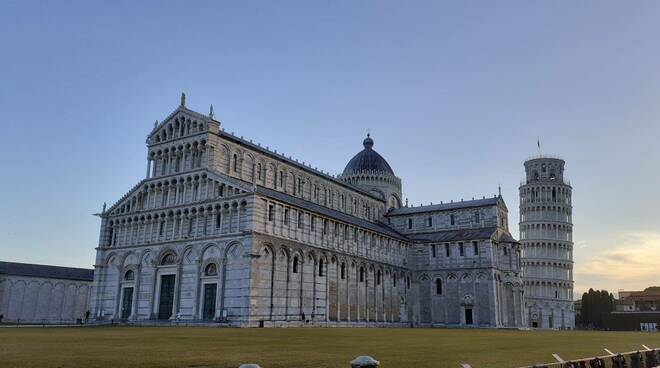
column 2, row 316
column 637, row 360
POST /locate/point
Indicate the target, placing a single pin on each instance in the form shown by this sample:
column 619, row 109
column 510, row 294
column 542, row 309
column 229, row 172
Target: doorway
column 127, row 303
column 468, row 316
column 166, row 301
column 210, row 291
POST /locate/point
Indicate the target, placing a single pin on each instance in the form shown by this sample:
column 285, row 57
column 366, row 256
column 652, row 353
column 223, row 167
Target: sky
column 455, row 95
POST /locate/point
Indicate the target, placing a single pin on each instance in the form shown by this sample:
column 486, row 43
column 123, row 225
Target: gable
column 181, row 123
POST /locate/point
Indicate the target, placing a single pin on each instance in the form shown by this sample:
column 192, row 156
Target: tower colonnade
column 546, row 237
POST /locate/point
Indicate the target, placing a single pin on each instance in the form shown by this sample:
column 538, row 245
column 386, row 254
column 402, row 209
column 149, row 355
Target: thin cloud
column 633, row 262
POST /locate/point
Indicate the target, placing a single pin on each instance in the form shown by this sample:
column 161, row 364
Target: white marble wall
column 43, row 300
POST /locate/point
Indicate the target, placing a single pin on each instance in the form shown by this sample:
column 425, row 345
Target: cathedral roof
column 445, row 206
column 464, row 234
column 367, row 160
column 51, row 272
column 275, row 155
column 340, row 216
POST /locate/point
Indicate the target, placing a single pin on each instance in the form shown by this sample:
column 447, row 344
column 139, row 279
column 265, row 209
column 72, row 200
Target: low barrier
column 646, row 358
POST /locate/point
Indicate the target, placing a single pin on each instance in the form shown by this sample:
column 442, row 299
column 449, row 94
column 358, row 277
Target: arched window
column 129, row 275
column 211, row 270
column 438, row 286
column 361, row 274
column 295, row 264
column 394, row 279
column 430, row 221
column 168, row 259
column 235, row 163
column 321, row 268
column 343, row 271
column 378, row 278
column 452, row 219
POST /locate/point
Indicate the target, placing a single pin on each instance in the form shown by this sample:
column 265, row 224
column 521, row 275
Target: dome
column 367, row 160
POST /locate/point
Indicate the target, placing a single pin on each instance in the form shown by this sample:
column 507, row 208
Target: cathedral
column 224, row 231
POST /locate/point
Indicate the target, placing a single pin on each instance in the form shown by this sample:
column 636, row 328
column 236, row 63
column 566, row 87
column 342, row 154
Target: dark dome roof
column 367, row 160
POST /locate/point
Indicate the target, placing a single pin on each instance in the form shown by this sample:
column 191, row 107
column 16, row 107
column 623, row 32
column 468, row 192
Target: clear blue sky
column 454, row 93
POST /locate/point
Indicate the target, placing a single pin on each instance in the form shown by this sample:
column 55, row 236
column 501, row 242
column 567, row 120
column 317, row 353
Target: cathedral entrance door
column 468, row 316
column 127, row 303
column 210, row 291
column 166, row 301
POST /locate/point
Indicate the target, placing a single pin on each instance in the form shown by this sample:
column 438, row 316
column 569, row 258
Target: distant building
column 636, row 311
column 639, row 301
column 31, row 293
column 577, row 309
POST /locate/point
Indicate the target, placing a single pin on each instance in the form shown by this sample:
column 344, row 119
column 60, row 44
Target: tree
column 595, row 305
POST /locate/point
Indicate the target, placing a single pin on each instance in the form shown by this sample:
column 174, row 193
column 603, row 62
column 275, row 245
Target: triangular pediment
column 180, row 123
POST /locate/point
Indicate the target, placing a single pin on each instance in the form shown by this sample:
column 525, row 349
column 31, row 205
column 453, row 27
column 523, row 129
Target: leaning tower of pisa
column 546, row 236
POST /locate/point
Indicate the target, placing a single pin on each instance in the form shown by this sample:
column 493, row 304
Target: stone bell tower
column 546, row 237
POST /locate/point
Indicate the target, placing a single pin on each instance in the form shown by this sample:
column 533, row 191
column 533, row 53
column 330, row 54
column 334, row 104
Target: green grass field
column 300, row 347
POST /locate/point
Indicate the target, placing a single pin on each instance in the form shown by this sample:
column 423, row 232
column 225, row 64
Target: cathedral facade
column 225, row 231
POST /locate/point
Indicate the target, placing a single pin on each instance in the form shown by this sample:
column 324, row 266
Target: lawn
column 300, row 348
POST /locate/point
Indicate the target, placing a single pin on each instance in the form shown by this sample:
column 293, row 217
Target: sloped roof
column 463, row 234
column 340, row 216
column 45, row 271
column 274, row 155
column 445, row 206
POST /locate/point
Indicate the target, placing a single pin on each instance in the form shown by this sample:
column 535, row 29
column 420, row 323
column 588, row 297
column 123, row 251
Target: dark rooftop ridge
column 46, row 271
column 445, row 206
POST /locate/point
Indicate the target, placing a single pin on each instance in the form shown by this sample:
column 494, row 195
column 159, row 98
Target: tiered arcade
column 546, row 236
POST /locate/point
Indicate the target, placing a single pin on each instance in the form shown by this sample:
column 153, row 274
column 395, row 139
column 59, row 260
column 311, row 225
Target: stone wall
column 43, row 300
